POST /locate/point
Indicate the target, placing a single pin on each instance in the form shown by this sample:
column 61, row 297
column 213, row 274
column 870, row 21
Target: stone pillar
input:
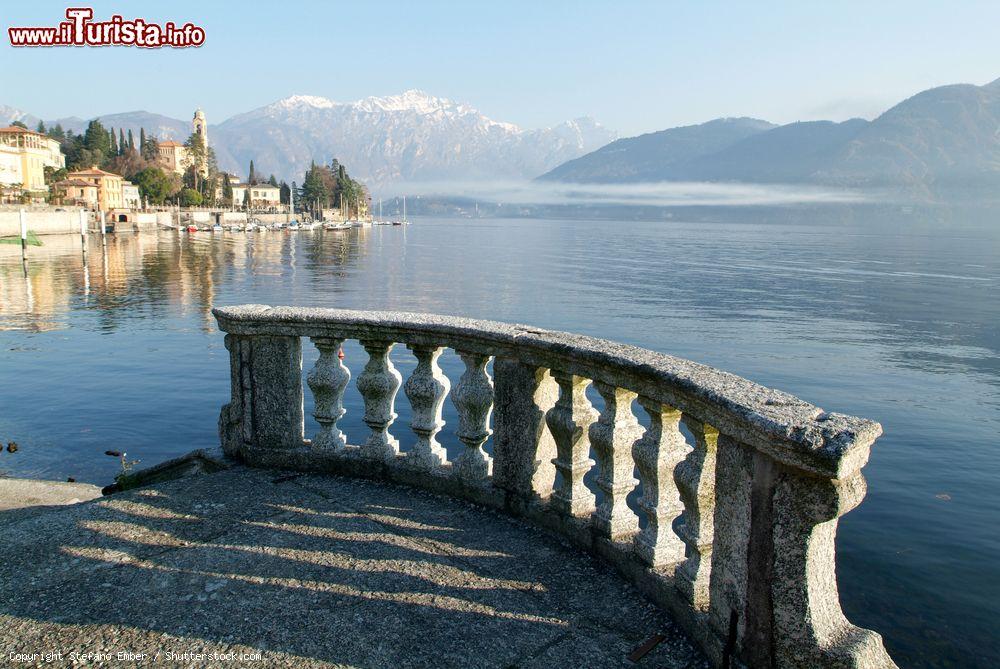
column 569, row 420
column 523, row 448
column 231, row 417
column 810, row 628
column 731, row 529
column 266, row 382
column 612, row 437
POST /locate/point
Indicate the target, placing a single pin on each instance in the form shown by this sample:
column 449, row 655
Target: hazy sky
column 634, row 66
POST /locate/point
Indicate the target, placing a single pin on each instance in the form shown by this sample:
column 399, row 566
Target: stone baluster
column 327, row 380
column 569, row 421
column 695, row 479
column 473, row 398
column 426, row 389
column 378, row 384
column 656, row 454
column 612, row 437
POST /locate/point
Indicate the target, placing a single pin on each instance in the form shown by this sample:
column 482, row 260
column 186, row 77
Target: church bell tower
column 200, row 127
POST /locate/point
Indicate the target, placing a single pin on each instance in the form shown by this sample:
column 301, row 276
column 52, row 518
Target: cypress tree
column 142, row 138
column 131, row 141
column 41, row 127
column 251, row 178
column 121, row 142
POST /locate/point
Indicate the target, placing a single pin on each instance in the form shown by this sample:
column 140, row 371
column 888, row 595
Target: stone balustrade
column 733, row 529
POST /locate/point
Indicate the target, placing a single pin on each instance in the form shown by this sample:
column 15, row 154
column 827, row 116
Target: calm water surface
column 891, row 322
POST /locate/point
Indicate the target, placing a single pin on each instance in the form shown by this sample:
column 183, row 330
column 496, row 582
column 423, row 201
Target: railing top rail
column 791, row 430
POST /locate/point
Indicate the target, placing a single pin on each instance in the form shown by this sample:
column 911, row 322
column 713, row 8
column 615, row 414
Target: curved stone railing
column 735, row 532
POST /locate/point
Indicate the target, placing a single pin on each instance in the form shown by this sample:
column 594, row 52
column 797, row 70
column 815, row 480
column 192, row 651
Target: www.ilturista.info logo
column 79, row 30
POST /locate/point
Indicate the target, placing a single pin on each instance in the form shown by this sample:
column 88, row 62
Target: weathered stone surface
column 314, row 571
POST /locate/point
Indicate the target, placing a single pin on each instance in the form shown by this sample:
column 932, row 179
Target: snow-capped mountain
column 9, row 114
column 408, row 137
column 382, row 140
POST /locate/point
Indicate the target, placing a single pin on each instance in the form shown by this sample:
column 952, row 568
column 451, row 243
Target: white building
column 130, row 195
column 264, row 195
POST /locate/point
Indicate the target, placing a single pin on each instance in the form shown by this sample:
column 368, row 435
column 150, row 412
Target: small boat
column 337, row 226
column 216, row 228
column 294, row 225
column 192, row 228
column 308, row 226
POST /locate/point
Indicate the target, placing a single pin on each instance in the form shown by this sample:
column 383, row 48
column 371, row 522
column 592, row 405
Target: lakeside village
column 54, row 181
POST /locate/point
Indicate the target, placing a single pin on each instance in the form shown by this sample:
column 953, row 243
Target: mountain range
column 941, row 139
column 382, row 140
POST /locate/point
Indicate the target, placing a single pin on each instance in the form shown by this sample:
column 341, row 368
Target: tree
column 155, row 184
column 189, row 197
column 314, row 187
column 227, row 190
column 272, row 181
column 41, row 127
column 285, row 193
column 149, row 148
column 121, row 142
column 200, row 166
column 252, row 177
column 128, row 164
column 142, row 138
column 113, row 149
column 97, row 141
column 131, row 141
column 53, row 175
column 19, row 124
column 57, row 132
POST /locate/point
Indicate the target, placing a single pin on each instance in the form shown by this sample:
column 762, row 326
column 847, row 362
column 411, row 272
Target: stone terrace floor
column 312, row 571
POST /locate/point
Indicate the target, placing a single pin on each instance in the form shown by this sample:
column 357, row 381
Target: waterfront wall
column 44, row 222
column 50, row 221
column 54, row 222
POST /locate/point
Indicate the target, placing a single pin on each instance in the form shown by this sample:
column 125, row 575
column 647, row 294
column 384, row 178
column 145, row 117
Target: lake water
column 888, row 320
